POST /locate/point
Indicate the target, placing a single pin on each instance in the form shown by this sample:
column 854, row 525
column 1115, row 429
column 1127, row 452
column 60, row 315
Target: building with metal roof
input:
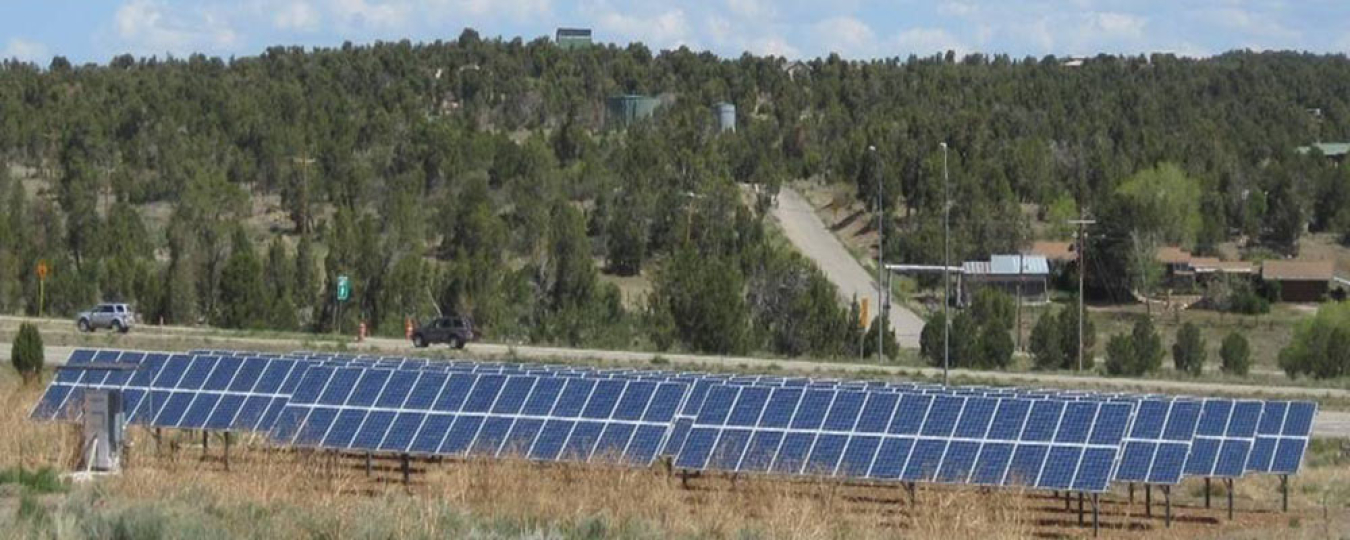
column 1025, row 276
column 1336, row 150
column 573, row 38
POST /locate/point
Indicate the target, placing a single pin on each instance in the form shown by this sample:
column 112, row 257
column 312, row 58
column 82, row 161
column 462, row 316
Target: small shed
column 1299, row 280
column 1026, row 276
column 573, row 38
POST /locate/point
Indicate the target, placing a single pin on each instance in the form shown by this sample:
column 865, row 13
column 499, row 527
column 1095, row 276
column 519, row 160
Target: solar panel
column 1282, row 437
column 1223, row 438
column 541, row 418
column 906, row 436
column 1158, row 442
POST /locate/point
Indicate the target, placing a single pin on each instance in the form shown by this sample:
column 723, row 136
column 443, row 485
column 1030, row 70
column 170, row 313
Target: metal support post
column 227, row 451
column 1096, row 523
column 1068, row 502
column 1284, row 492
column 1167, row 497
column 913, row 495
column 1148, row 500
column 369, row 465
column 1080, row 509
column 1228, row 482
column 1207, row 492
column 1131, row 492
column 407, row 473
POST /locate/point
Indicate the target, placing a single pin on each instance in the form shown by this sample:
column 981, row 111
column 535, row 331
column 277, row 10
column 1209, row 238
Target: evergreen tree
column 27, row 353
column 1236, row 354
column 243, row 297
column 1047, row 348
column 1148, row 347
column 1188, row 352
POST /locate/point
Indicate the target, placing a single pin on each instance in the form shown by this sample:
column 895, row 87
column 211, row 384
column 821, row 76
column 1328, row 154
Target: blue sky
column 97, row 30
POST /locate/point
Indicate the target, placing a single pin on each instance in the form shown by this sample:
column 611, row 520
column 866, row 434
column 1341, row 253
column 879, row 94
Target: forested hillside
column 477, row 176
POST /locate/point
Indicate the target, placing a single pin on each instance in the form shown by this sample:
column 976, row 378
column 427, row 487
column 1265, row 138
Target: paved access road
column 813, row 239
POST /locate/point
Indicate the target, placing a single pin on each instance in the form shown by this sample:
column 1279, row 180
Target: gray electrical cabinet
column 103, row 422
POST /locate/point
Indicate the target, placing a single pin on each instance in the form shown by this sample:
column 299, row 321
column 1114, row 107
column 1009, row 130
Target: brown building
column 1299, row 280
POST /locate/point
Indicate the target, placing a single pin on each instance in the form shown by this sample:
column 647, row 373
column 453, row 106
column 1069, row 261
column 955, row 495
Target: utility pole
column 1082, row 269
column 946, row 271
column 881, row 247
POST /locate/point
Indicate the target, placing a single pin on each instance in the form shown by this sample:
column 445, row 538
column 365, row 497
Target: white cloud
column 298, row 15
column 25, row 50
column 150, row 27
column 774, row 46
column 667, row 29
column 847, row 36
column 1114, row 24
column 371, row 13
column 752, row 9
column 926, row 41
column 957, row 9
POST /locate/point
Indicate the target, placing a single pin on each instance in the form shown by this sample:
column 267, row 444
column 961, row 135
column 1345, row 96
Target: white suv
column 118, row 317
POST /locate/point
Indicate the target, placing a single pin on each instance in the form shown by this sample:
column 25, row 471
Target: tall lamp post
column 946, row 272
column 881, row 246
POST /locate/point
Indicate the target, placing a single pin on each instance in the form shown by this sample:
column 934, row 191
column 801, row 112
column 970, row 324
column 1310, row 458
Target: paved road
column 805, row 230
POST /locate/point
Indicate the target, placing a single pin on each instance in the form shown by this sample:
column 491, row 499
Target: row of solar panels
column 559, row 412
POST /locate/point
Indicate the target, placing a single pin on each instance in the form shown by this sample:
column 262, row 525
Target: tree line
column 478, row 176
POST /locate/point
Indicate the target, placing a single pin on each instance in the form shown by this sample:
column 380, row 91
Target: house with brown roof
column 1299, row 280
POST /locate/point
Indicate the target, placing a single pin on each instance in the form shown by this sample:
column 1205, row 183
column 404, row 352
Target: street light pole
column 946, row 272
column 881, row 246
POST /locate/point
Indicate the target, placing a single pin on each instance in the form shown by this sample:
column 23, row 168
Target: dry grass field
column 177, row 489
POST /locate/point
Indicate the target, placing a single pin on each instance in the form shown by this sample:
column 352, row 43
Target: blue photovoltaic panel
column 1282, row 437
column 1224, row 437
column 540, row 417
column 227, row 393
column 882, row 435
column 1158, row 442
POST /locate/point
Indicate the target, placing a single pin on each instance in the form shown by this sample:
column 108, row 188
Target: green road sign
column 344, row 289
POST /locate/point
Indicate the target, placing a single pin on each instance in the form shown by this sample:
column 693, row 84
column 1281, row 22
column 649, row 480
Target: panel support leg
column 1148, row 500
column 1206, row 492
column 1096, row 508
column 407, row 473
column 1068, row 501
column 1167, row 498
column 159, row 438
column 1131, row 492
column 684, row 478
column 1284, row 492
column 369, row 466
column 227, row 451
column 913, row 495
column 1080, row 509
column 1228, row 482
column 205, row 443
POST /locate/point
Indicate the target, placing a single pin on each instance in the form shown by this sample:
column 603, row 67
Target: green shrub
column 1236, row 354
column 1137, row 353
column 26, row 353
column 1188, row 353
column 44, row 480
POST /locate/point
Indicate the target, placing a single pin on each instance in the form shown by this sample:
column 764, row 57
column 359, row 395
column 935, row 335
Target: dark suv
column 457, row 331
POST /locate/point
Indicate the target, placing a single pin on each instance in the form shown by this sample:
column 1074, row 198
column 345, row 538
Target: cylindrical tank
column 726, row 116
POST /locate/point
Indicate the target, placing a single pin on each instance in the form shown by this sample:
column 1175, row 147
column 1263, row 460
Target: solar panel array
column 429, row 413
column 1158, row 442
column 892, row 430
column 907, row 437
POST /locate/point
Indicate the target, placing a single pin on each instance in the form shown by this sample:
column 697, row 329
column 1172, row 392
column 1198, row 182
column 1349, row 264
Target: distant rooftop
column 1338, row 149
column 1006, row 265
column 1297, row 270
